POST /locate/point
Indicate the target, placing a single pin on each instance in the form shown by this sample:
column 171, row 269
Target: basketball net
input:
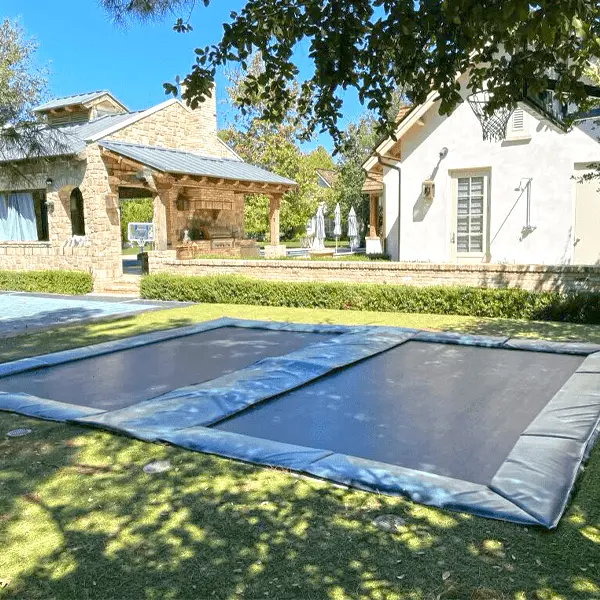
column 493, row 125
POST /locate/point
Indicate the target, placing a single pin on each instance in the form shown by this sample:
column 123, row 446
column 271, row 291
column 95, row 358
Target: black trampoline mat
column 448, row 409
column 126, row 377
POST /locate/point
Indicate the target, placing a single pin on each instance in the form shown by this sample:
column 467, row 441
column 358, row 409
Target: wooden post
column 372, row 241
column 274, row 206
column 274, row 248
column 373, row 202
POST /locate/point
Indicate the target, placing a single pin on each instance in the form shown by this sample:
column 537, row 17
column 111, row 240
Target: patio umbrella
column 353, row 229
column 320, row 228
column 337, row 224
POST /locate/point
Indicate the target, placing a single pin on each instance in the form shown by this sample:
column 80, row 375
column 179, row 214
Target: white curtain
column 17, row 217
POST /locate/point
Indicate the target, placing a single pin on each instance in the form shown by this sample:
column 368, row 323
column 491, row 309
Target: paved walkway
column 21, row 312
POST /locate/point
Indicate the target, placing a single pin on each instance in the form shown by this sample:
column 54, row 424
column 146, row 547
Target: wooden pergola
column 167, row 187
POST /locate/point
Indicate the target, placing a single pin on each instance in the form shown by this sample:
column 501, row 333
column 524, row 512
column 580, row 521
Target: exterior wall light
column 428, row 189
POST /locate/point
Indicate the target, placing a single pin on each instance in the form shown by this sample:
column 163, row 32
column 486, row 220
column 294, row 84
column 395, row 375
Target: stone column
column 372, row 241
column 159, row 218
column 274, row 249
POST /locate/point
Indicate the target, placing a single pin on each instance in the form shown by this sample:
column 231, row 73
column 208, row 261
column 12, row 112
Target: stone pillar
column 274, row 249
column 372, row 241
column 159, row 218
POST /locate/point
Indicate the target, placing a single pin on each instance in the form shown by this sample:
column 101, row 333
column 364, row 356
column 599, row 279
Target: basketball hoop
column 493, row 125
column 140, row 233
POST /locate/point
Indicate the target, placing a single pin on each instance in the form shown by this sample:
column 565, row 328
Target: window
column 471, row 194
column 23, row 216
column 77, row 220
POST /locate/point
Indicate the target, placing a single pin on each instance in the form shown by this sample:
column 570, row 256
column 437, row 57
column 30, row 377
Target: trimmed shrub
column 468, row 301
column 49, row 282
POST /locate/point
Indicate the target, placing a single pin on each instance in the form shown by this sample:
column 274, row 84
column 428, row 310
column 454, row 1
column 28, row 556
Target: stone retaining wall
column 529, row 277
column 43, row 256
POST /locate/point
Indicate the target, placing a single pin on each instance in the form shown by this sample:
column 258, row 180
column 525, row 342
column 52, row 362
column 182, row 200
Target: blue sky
column 84, row 51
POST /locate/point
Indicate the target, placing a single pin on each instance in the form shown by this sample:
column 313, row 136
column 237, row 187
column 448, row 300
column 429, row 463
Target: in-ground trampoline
column 495, row 427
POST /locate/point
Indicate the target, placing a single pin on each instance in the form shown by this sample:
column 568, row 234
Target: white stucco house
column 448, row 196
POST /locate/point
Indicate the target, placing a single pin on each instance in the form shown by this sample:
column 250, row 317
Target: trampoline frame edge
column 517, row 506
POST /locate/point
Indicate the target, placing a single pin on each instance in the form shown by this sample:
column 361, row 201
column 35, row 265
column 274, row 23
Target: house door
column 586, row 241
column 469, row 237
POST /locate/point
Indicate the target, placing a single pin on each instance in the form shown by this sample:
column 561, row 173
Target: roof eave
column 286, row 182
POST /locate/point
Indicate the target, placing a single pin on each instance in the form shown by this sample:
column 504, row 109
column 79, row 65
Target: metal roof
column 88, row 129
column 59, row 140
column 71, row 100
column 188, row 163
column 43, row 142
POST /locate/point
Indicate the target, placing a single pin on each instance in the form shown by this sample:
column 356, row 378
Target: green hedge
column 503, row 303
column 50, row 282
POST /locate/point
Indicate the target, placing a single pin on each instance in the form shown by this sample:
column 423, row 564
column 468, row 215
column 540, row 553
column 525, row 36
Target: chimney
column 205, row 112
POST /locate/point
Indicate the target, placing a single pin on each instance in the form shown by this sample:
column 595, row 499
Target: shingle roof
column 373, row 182
column 188, row 163
column 403, row 111
column 71, row 100
column 328, row 175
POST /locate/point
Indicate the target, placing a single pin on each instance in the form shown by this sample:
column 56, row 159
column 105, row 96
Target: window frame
column 461, row 256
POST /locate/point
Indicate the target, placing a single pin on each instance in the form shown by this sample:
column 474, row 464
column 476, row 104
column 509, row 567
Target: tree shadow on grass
column 80, row 519
column 551, row 330
column 77, row 336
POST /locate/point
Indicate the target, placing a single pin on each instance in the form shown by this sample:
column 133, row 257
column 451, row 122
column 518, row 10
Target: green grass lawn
column 80, row 520
column 134, row 250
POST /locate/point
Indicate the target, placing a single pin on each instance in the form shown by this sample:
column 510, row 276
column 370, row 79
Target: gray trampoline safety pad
column 492, row 426
column 119, row 379
column 446, row 409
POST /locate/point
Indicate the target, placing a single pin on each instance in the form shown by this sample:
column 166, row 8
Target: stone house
column 62, row 212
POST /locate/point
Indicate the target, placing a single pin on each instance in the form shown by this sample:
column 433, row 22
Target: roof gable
column 412, row 115
column 327, row 176
column 86, row 100
column 133, row 118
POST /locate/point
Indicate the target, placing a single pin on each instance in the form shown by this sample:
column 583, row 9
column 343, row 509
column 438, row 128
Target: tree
column 358, row 141
column 274, row 147
column 135, row 210
column 22, row 85
column 376, row 46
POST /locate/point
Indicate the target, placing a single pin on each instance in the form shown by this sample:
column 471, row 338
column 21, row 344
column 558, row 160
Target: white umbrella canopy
column 320, row 228
column 353, row 229
column 337, row 221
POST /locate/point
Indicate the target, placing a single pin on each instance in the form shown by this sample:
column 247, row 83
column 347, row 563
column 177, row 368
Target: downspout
column 396, row 168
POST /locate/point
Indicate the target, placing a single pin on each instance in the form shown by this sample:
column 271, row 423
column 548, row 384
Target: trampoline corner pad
column 421, row 487
column 43, row 408
column 539, row 473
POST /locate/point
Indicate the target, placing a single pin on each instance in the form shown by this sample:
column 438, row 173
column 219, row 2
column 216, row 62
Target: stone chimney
column 205, row 113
